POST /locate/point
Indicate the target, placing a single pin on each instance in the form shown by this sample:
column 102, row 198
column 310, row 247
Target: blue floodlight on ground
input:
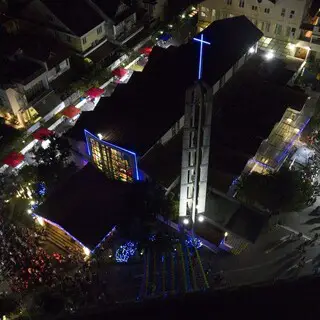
column 165, row 37
column 125, row 252
column 201, row 54
column 108, row 144
column 193, row 242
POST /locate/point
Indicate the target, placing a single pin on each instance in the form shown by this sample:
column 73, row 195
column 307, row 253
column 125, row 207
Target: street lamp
column 201, row 218
column 185, row 221
column 251, row 50
column 269, row 55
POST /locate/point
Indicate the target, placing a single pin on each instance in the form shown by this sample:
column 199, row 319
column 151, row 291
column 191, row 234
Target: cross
column 201, row 53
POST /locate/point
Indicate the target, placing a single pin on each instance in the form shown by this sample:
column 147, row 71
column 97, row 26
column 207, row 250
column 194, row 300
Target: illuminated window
column 241, row 3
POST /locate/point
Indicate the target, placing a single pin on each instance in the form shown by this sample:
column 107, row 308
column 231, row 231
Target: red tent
column 146, row 50
column 120, row 72
column 94, row 92
column 42, row 134
column 71, row 111
column 13, row 159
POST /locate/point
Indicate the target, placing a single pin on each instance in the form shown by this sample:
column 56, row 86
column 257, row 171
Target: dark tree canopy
column 283, row 191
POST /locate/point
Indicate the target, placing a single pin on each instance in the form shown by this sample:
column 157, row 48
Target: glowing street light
column 86, row 251
column 225, row 234
column 251, row 50
column 185, row 221
column 32, row 202
column 269, row 55
column 29, row 211
column 40, row 221
column 201, row 218
column 100, row 136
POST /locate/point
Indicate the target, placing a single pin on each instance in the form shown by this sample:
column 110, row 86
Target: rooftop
column 153, row 100
column 246, row 110
column 43, row 49
column 77, row 15
column 88, row 205
column 19, row 71
column 112, row 9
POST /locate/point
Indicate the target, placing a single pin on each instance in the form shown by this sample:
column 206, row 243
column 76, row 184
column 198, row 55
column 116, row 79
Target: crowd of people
column 24, row 264
column 26, row 267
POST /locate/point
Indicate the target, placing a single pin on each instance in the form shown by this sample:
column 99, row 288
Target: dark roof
column 77, row 15
column 163, row 162
column 47, row 104
column 110, row 8
column 247, row 223
column 153, row 100
column 249, row 105
column 44, row 49
column 19, row 71
column 88, row 205
column 246, row 110
column 103, row 52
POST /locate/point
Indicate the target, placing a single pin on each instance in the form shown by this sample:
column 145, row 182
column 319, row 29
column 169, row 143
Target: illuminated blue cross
column 201, row 54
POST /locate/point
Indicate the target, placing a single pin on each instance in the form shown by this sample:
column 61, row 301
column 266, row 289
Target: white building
column 281, row 21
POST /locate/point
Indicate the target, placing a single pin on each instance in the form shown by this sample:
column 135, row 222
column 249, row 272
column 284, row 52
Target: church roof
column 139, row 113
column 88, row 205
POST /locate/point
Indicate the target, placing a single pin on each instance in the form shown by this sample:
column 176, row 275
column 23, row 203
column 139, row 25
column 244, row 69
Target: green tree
column 53, row 164
column 283, row 191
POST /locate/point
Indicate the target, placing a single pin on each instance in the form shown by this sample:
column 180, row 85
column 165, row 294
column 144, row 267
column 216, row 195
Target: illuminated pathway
column 172, row 272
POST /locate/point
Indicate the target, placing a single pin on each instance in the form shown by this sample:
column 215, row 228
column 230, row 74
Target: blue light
column 193, row 242
column 201, row 53
column 108, row 144
column 126, row 251
column 286, row 150
column 110, row 233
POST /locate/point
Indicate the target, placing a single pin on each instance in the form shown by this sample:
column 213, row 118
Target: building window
column 292, row 12
column 283, row 12
column 293, row 32
column 266, row 10
column 278, row 29
column 267, row 26
column 68, row 38
column 288, row 31
column 99, row 30
column 241, row 3
column 84, row 40
column 261, row 25
column 229, row 2
column 254, row 8
column 213, row 13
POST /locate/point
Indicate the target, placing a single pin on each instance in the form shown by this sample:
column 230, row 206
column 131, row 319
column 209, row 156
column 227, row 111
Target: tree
column 282, row 191
column 53, row 163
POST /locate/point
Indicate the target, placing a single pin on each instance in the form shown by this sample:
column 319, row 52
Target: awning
column 146, row 50
column 94, row 92
column 42, row 134
column 13, row 159
column 71, row 111
column 120, row 72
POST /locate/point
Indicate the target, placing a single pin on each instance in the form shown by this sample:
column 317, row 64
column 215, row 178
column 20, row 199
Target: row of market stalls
column 14, row 159
column 72, row 112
